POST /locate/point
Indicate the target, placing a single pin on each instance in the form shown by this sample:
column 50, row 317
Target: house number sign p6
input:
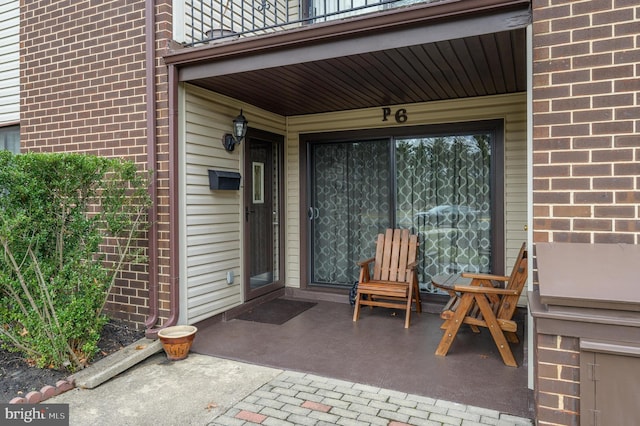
column 400, row 115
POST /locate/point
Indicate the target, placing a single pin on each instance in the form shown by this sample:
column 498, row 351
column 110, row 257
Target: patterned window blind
column 438, row 187
column 444, row 194
column 351, row 200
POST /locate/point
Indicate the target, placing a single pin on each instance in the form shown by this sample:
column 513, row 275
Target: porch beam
column 352, row 42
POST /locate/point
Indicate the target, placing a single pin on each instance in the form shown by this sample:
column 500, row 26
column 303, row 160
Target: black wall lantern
column 230, row 140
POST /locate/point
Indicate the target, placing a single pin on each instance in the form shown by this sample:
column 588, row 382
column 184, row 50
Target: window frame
column 7, row 130
column 494, row 127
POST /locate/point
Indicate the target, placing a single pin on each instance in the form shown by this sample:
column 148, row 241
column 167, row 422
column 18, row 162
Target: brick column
column 586, row 129
column 557, row 380
column 586, row 154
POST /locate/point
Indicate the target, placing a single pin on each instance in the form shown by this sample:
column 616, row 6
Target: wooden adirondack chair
column 395, row 282
column 486, row 303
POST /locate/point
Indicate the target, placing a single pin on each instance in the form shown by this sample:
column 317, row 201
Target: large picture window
column 441, row 184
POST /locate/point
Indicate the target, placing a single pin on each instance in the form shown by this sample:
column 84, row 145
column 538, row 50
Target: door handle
column 246, row 213
column 313, row 213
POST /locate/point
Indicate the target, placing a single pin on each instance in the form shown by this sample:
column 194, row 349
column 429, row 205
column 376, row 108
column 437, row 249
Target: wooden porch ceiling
column 434, row 59
column 475, row 66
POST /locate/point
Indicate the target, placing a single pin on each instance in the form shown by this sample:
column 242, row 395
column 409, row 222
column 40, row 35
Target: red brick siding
column 586, row 120
column 557, row 380
column 83, row 89
column 586, row 138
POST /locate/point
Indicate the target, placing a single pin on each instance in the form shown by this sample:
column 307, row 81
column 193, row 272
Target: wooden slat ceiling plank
column 418, row 56
column 355, row 79
column 483, row 67
column 519, row 45
column 313, row 92
column 301, row 80
column 372, row 88
column 446, row 71
column 343, row 85
column 493, row 57
column 396, row 93
column 424, row 53
column 391, row 77
column 458, row 67
column 252, row 88
column 401, row 72
column 295, row 89
column 224, row 85
column 508, row 58
column 260, row 89
column 405, row 59
column 318, row 89
column 472, row 62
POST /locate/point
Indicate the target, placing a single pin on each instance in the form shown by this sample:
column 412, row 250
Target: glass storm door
column 263, row 234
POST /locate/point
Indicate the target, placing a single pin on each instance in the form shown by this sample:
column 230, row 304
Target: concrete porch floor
column 378, row 351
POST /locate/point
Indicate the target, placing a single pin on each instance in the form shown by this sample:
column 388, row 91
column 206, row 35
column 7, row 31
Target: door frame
column 390, row 212
column 275, row 140
column 497, row 178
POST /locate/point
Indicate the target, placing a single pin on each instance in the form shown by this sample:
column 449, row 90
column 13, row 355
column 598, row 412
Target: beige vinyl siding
column 292, row 208
column 515, row 186
column 211, row 244
column 515, row 190
column 510, row 108
column 212, row 228
column 9, row 61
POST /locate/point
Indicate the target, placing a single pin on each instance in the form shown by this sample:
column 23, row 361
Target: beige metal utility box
column 586, row 310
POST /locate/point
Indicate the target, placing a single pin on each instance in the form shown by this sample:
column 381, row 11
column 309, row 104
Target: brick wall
column 83, row 89
column 557, row 380
column 586, row 121
column 586, row 154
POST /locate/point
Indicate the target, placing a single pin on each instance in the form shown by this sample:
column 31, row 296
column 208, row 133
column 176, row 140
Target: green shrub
column 69, row 224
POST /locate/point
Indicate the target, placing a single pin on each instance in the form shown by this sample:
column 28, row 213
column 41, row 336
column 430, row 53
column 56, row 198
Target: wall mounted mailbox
column 223, row 180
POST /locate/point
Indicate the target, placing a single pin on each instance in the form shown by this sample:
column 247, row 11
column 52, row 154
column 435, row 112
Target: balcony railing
column 208, row 21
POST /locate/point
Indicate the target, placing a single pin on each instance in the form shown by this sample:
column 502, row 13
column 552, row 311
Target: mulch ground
column 17, row 377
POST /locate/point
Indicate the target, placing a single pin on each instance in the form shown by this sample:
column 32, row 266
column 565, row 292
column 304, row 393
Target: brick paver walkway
column 305, row 399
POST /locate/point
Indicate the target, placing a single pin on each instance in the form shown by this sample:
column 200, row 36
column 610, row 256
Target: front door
column 262, row 213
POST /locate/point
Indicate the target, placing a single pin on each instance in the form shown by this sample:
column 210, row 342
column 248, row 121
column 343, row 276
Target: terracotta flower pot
column 176, row 340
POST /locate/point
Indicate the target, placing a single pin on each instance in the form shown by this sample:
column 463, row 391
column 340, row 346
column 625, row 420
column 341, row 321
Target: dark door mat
column 276, row 311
